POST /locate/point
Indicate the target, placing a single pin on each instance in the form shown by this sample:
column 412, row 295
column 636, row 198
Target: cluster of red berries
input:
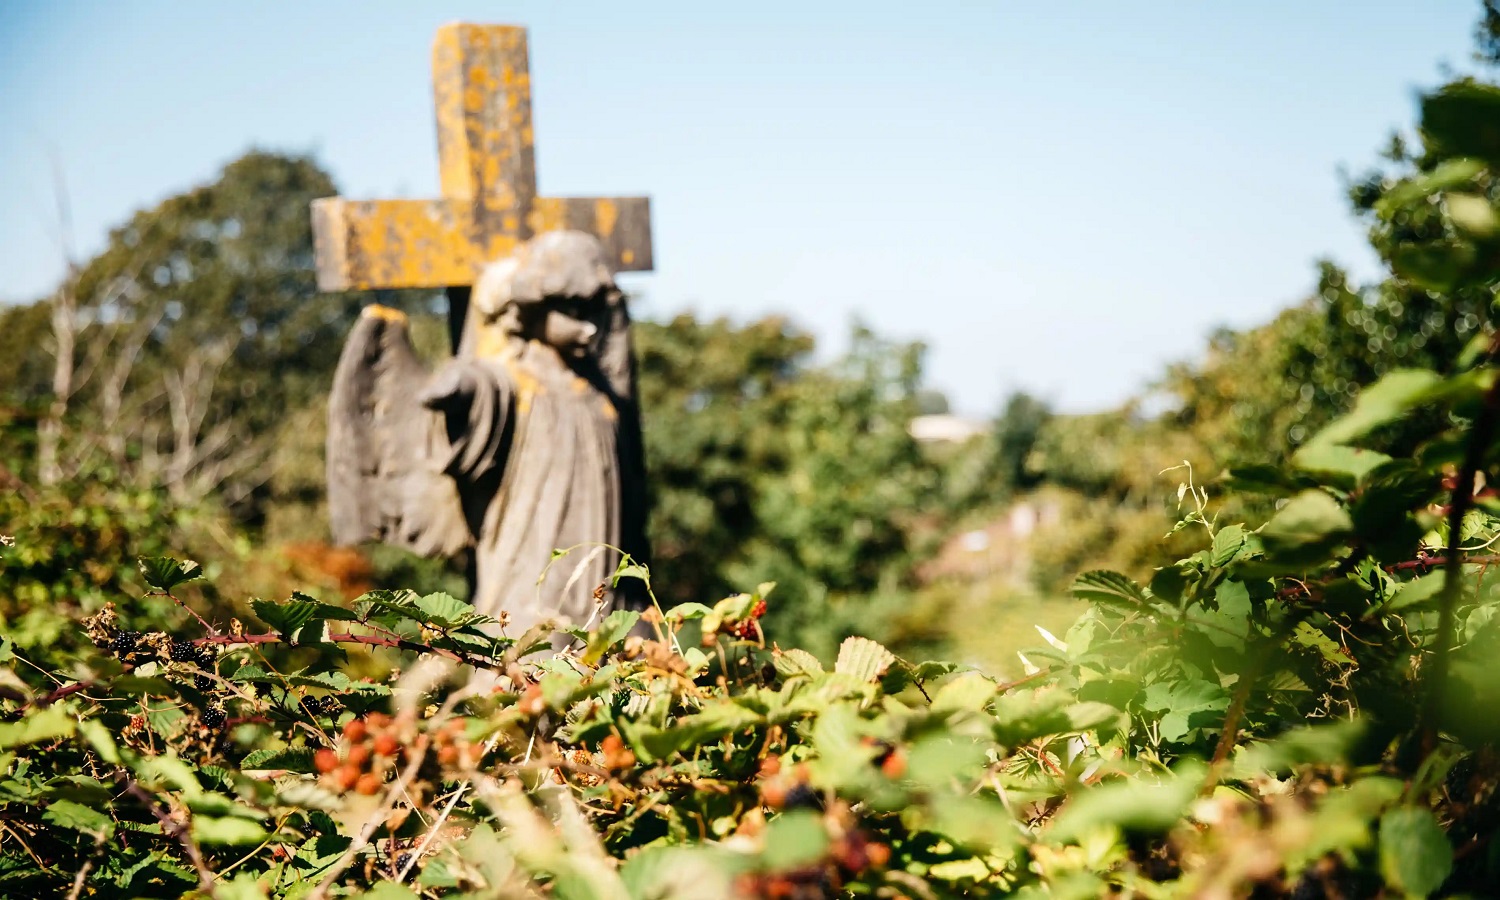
column 373, row 747
column 453, row 748
column 367, row 752
column 748, row 628
column 617, row 756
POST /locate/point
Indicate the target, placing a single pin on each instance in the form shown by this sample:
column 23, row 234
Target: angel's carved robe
column 525, row 443
column 551, row 439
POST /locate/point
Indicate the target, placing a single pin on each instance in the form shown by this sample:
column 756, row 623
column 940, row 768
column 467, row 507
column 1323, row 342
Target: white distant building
column 944, row 428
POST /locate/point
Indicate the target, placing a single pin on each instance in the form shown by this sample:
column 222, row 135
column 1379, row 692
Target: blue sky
column 1060, row 197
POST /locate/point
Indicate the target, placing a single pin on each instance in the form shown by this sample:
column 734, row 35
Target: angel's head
column 556, row 288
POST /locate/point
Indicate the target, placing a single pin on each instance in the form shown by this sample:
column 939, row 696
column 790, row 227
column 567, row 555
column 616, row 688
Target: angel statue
column 526, row 441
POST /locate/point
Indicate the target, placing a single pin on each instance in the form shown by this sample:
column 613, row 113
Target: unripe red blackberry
column 326, row 760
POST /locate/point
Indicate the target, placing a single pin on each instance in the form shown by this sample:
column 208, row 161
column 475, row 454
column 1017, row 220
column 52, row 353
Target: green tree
column 766, row 467
column 193, row 334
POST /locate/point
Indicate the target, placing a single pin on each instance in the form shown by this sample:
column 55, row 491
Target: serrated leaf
column 796, row 663
column 77, row 817
column 47, row 724
column 227, row 831
column 1347, row 465
column 683, row 612
column 1307, row 528
column 99, row 738
column 287, row 617
column 1414, row 852
column 295, row 760
column 153, row 770
column 1133, row 806
column 1228, row 543
column 794, row 839
column 1381, row 403
column 443, row 610
column 611, row 631
column 968, row 692
column 1307, row 635
column 629, row 569
column 1415, row 594
column 1103, row 586
column 863, row 659
column 165, row 573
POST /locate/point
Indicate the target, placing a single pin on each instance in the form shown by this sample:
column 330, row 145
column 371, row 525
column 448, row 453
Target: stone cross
column 489, row 201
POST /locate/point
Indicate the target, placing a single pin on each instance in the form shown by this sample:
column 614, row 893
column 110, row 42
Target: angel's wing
column 382, row 483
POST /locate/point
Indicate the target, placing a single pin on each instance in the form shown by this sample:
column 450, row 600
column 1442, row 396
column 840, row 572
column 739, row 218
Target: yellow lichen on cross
column 482, row 87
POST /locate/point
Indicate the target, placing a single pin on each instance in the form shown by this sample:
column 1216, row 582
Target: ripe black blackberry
column 124, row 643
column 802, row 796
column 182, row 650
column 203, row 682
column 207, row 657
column 214, row 718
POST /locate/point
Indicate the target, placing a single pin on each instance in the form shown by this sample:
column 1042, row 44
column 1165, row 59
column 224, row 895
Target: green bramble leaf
column 287, row 617
column 47, row 724
column 796, row 663
column 1109, row 588
column 165, row 573
column 1345, row 466
column 227, row 831
column 77, row 817
column 794, row 839
column 1416, row 594
column 969, row 692
column 629, row 568
column 1307, row 529
column 611, row 631
column 446, row 611
column 1135, row 806
column 1228, row 543
column 294, row 760
column 99, row 738
column 1415, row 855
column 863, row 660
column 684, row 612
column 1383, row 402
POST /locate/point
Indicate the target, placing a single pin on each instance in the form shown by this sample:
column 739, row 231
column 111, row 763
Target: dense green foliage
column 1285, row 692
column 1297, row 707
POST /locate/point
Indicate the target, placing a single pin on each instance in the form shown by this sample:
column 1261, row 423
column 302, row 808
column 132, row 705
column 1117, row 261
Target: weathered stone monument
column 528, row 440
